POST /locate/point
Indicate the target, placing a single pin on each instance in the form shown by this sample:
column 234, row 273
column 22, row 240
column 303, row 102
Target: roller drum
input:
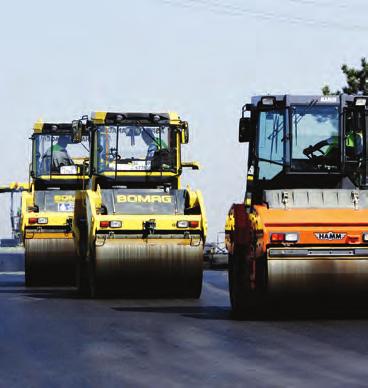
column 318, row 276
column 148, row 270
column 50, row 262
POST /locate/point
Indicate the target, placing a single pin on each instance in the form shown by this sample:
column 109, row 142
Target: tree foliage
column 356, row 80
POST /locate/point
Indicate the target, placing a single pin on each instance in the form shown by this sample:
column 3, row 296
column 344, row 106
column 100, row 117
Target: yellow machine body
column 48, row 210
column 144, row 235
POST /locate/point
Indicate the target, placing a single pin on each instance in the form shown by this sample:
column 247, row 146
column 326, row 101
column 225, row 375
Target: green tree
column 356, row 80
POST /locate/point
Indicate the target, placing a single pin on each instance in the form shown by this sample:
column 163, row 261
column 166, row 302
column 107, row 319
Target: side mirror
column 246, row 130
column 77, row 131
column 185, row 133
column 192, row 165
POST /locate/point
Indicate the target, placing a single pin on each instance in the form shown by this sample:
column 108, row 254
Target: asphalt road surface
column 51, row 338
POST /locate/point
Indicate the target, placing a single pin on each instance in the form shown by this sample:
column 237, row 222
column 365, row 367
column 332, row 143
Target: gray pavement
column 51, row 338
column 11, row 259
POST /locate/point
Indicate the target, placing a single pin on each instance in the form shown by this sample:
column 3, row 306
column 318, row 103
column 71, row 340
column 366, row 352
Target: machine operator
column 154, row 144
column 60, row 156
column 354, row 148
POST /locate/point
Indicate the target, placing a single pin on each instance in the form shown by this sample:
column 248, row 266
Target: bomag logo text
column 144, row 198
column 64, row 198
column 330, row 236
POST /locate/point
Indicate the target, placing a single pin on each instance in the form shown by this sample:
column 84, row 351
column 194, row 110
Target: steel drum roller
column 314, row 276
column 149, row 269
column 50, row 262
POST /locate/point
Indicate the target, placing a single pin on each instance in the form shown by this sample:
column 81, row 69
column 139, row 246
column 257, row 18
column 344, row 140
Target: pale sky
column 203, row 59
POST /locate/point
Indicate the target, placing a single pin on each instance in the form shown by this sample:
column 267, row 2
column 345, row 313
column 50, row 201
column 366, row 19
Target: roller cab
column 58, row 169
column 144, row 234
column 302, row 229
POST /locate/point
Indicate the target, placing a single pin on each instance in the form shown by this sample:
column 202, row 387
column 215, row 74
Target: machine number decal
column 66, row 206
column 144, row 198
column 330, row 236
column 133, row 166
column 65, row 203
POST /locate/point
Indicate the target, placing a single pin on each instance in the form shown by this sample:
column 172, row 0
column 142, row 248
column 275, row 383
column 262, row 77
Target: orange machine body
column 348, row 224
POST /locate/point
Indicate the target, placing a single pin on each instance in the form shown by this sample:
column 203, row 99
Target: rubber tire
column 244, row 301
column 83, row 280
column 238, row 288
column 94, row 292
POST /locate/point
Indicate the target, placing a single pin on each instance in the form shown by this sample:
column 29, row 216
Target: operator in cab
column 59, row 154
column 154, row 144
column 330, row 156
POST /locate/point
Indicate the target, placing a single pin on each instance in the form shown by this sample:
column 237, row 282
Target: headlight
column 182, row 224
column 284, row 237
column 116, row 224
column 291, row 237
column 268, row 101
column 360, row 101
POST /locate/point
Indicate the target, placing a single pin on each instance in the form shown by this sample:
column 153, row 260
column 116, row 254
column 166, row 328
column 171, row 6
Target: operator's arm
column 62, row 158
column 309, row 150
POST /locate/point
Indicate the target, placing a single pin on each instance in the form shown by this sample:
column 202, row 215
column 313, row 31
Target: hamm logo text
column 330, row 236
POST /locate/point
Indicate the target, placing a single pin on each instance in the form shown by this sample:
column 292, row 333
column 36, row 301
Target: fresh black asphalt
column 52, row 338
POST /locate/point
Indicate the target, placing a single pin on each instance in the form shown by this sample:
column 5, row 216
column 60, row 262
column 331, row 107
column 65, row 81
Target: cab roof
column 285, row 100
column 52, row 128
column 289, row 99
column 132, row 117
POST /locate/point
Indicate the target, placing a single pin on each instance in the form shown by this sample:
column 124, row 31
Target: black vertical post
column 116, row 151
column 343, row 116
column 365, row 147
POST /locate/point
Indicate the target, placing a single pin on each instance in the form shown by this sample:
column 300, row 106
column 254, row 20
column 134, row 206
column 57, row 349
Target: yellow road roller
column 139, row 233
column 60, row 154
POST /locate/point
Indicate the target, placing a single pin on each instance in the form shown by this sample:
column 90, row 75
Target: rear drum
column 148, row 269
column 50, row 262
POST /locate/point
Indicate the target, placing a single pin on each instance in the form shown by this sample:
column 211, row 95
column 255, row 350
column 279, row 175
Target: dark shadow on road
column 310, row 310
column 285, row 312
column 197, row 312
column 217, row 267
column 41, row 293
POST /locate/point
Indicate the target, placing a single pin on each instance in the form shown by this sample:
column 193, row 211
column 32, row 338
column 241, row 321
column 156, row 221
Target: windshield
column 58, row 155
column 270, row 143
column 135, row 148
column 315, row 137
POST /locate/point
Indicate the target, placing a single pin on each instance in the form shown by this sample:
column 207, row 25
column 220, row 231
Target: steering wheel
column 114, row 154
column 162, row 151
column 162, row 155
column 311, row 154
